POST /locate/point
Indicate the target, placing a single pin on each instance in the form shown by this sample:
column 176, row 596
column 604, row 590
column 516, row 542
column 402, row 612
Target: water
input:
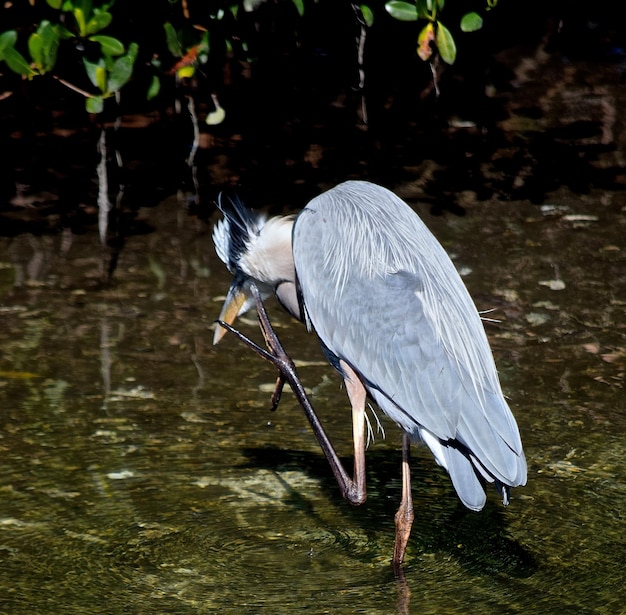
column 142, row 471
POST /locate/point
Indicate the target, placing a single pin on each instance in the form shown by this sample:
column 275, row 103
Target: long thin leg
column 352, row 489
column 357, row 395
column 404, row 516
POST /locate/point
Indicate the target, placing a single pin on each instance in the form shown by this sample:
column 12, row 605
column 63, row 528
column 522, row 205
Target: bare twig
column 72, row 87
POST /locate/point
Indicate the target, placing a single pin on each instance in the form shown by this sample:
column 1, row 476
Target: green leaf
column 470, row 22
column 43, row 46
column 79, row 17
column 205, row 44
column 120, row 73
column 123, row 69
column 94, row 72
column 63, row 32
column 82, row 5
column 425, row 10
column 368, row 15
column 17, row 62
column 55, row 4
column 173, row 44
column 7, row 39
column 110, row 46
column 99, row 21
column 133, row 50
column 445, row 44
column 403, row 11
column 155, row 88
column 95, row 104
column 51, row 40
column 299, row 4
column 101, row 79
column 35, row 48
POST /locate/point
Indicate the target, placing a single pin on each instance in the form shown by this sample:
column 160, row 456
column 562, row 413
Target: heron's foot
column 278, row 357
column 246, row 340
column 404, row 521
column 356, row 495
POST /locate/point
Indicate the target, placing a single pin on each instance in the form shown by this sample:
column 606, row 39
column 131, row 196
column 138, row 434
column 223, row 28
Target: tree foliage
column 194, row 37
column 434, row 35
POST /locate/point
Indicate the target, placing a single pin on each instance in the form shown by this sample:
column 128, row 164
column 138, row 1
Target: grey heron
column 359, row 267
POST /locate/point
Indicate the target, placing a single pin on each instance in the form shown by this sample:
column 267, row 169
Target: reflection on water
column 142, row 471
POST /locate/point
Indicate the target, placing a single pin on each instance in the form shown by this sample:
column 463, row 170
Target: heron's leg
column 287, row 373
column 357, row 395
column 278, row 391
column 404, row 516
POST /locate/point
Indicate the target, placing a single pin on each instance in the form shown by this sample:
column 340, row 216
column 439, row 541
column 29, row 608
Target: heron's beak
column 238, row 301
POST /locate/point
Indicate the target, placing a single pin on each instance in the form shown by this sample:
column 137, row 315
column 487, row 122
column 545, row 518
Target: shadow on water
column 479, row 542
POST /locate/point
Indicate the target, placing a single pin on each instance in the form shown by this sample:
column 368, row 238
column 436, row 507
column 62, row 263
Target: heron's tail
column 468, row 475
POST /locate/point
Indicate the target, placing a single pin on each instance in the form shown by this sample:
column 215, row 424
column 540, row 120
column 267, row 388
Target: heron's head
column 256, row 250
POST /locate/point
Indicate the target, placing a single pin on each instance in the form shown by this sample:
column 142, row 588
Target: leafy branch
column 108, row 74
column 434, row 36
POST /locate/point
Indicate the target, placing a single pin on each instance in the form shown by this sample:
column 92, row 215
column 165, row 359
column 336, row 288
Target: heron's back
column 383, row 295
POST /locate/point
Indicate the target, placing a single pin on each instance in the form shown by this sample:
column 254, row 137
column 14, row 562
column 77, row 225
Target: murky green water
column 142, row 472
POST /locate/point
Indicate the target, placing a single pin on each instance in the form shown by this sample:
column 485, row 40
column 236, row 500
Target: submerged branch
column 360, row 43
column 104, row 205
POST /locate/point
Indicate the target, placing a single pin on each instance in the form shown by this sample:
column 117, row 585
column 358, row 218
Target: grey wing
column 385, row 335
column 382, row 332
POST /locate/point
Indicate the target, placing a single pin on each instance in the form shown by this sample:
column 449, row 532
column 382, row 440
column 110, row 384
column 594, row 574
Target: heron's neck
column 279, row 264
column 269, row 259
